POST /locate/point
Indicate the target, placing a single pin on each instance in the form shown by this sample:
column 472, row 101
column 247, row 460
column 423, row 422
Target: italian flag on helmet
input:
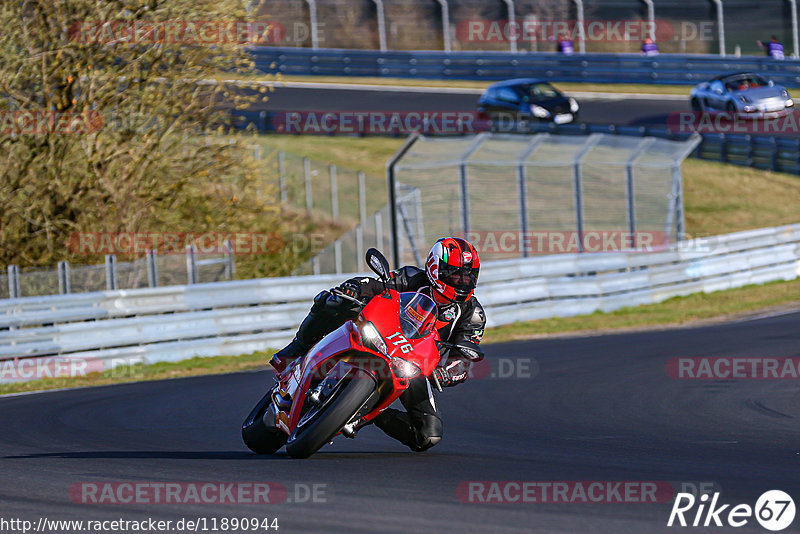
column 452, row 269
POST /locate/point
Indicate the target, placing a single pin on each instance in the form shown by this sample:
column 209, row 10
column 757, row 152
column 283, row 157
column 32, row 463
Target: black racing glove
column 351, row 289
column 453, row 372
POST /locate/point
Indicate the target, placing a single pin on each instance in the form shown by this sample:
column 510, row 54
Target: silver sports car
column 743, row 94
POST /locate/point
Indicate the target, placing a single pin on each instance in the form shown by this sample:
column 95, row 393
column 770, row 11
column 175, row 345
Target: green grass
column 467, row 84
column 676, row 311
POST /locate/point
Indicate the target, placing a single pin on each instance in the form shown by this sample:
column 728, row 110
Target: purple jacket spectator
column 649, row 48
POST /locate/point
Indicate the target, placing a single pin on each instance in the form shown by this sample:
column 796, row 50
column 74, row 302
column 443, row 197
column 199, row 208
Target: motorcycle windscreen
column 417, row 315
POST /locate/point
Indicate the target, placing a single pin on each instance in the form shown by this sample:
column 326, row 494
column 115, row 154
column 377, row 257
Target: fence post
column 191, row 265
column 381, row 24
column 445, row 24
column 379, row 233
column 578, row 185
column 63, row 278
column 152, row 268
column 337, row 255
column 315, row 264
column 307, row 173
column 13, row 282
column 720, row 27
column 334, row 193
column 629, row 184
column 362, row 220
column 230, row 266
column 111, row 272
column 512, row 22
column 282, row 177
column 312, row 13
column 522, row 178
column 462, row 168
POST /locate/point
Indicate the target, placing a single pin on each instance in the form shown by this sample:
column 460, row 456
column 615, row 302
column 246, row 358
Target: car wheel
column 731, row 109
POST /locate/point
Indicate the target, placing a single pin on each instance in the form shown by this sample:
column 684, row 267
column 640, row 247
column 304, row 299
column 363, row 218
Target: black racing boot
column 281, row 359
column 317, row 324
column 418, row 437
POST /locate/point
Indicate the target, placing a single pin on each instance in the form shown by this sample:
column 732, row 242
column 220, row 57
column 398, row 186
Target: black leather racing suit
column 419, row 428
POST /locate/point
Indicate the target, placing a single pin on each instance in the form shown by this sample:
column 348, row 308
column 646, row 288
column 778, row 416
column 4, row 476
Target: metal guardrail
column 780, row 154
column 597, row 68
column 172, row 323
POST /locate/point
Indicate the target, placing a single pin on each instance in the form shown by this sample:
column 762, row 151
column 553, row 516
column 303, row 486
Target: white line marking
column 585, row 95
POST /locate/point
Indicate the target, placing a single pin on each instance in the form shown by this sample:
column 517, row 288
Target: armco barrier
column 780, row 154
column 173, row 323
column 597, row 68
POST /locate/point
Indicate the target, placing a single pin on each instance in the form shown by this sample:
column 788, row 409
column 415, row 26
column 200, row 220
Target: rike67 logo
column 774, row 510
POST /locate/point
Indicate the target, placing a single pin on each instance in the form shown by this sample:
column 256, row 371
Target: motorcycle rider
column 449, row 278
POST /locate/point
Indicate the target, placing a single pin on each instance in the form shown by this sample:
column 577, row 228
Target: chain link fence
column 680, row 26
column 152, row 271
column 515, row 195
column 322, row 190
column 346, row 254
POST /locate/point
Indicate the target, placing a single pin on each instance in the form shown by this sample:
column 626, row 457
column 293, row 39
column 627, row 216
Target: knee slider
column 429, row 432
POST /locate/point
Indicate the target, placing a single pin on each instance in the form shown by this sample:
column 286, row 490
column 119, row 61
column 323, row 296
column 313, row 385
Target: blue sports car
column 743, row 94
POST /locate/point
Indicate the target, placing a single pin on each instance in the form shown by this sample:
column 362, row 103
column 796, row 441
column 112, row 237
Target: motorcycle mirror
column 378, row 263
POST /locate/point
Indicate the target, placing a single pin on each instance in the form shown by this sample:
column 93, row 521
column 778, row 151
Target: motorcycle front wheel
column 324, row 422
column 260, row 438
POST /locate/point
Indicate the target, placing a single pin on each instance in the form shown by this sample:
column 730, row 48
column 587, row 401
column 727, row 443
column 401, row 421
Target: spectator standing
column 649, row 48
column 565, row 45
column 774, row 48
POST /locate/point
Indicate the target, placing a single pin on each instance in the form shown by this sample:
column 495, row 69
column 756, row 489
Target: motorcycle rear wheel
column 258, row 437
column 332, row 416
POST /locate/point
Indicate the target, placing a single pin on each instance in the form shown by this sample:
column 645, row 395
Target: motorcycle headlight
column 539, row 111
column 404, row 369
column 573, row 105
column 789, row 103
column 373, row 339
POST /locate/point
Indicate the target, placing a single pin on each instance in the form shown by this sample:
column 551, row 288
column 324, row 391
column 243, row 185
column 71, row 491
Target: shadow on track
column 172, row 455
column 209, row 455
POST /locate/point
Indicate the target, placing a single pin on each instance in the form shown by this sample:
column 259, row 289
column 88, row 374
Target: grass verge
column 468, row 84
column 715, row 306
column 142, row 373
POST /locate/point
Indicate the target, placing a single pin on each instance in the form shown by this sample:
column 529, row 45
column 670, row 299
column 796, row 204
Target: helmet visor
column 462, row 279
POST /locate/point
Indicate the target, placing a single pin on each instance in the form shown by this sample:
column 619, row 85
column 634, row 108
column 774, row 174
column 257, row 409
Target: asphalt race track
column 638, row 112
column 602, row 108
column 599, row 408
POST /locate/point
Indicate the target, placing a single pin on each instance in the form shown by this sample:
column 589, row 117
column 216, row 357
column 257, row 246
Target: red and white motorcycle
column 352, row 374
